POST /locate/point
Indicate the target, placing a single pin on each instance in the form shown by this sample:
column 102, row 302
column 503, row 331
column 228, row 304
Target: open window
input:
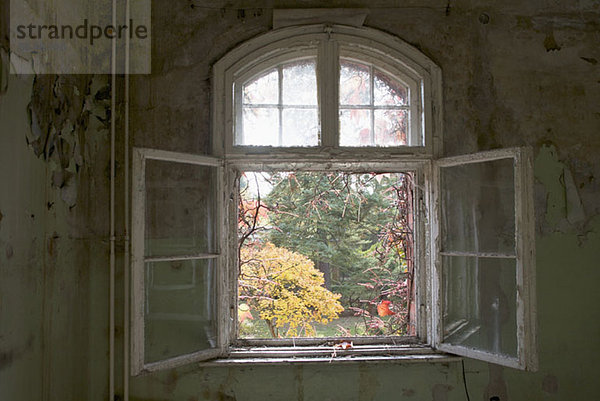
column 358, row 113
column 485, row 265
column 177, row 265
column 352, row 229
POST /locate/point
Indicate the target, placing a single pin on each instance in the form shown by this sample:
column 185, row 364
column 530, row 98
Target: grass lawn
column 355, row 325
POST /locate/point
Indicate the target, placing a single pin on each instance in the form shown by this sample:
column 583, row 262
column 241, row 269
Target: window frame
column 420, row 168
column 139, row 259
column 330, row 42
column 525, row 271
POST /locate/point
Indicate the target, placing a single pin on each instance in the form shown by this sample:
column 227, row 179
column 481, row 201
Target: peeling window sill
column 331, row 355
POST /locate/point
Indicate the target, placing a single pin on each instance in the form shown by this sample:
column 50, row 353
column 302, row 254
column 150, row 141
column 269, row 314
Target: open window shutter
column 484, row 281
column 177, row 265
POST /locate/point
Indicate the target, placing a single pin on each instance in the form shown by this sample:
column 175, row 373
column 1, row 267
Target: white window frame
column 328, row 43
column 420, row 169
column 526, row 358
column 399, row 58
column 138, row 260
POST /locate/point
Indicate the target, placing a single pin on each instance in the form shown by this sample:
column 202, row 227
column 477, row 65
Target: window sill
column 331, row 355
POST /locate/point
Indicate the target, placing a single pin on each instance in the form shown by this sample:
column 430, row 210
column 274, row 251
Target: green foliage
column 337, row 219
column 354, row 227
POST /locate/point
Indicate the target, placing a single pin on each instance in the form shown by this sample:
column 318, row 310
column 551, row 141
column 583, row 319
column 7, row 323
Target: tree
column 355, row 227
column 286, row 290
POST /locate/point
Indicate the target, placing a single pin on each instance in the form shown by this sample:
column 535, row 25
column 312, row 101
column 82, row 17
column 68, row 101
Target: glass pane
column 262, row 90
column 479, row 303
column 355, row 127
column 355, row 83
column 180, row 308
column 300, row 83
column 300, row 127
column 478, row 207
column 391, row 127
column 261, row 127
column 180, row 208
column 388, row 91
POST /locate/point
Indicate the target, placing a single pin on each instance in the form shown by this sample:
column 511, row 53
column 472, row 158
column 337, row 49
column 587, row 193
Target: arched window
column 305, row 89
column 326, row 145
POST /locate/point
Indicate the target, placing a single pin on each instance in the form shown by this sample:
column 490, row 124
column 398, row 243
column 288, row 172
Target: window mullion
column 372, row 103
column 328, row 81
column 280, row 103
column 238, row 135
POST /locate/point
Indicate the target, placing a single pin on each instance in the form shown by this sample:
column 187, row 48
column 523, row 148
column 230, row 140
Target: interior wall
column 53, row 244
column 515, row 74
column 21, row 283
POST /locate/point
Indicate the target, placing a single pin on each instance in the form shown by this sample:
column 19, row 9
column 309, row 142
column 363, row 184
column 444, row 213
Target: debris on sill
column 343, row 352
column 343, row 345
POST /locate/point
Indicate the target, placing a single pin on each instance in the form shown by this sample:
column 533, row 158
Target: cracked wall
column 53, row 243
column 516, row 73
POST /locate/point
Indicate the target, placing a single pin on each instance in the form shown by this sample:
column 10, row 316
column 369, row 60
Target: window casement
column 325, row 99
column 483, row 247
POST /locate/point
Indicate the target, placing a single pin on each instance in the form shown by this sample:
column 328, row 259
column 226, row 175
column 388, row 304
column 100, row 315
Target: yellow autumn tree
column 286, row 289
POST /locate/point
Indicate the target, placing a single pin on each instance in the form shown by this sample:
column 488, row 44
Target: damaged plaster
column 8, row 356
column 439, row 392
column 59, row 117
column 502, row 87
column 564, row 208
column 496, row 387
column 550, row 43
column 550, row 384
column 4, row 70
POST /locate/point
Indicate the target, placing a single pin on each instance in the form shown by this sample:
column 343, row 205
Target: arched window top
column 326, row 89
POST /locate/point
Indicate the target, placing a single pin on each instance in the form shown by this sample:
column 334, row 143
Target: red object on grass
column 383, row 309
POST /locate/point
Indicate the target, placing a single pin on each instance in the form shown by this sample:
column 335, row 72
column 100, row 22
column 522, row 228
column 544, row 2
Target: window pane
column 391, row 127
column 388, row 91
column 478, row 207
column 355, row 127
column 263, row 90
column 355, row 83
column 384, row 111
column 300, row 83
column 479, row 303
column 261, row 127
column 180, row 208
column 180, row 308
column 300, row 127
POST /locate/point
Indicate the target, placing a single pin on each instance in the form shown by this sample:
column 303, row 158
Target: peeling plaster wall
column 59, row 116
column 53, row 259
column 515, row 73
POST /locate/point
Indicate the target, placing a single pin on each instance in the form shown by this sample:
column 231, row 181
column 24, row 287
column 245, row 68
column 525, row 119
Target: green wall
column 53, row 261
column 528, row 75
